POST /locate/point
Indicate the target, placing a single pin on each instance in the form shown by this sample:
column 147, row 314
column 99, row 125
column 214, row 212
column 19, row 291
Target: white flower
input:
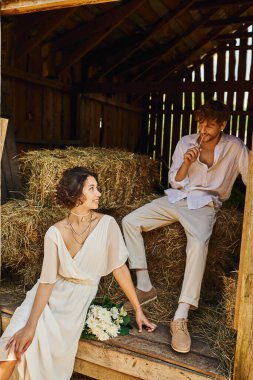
column 122, row 312
column 114, row 312
column 113, row 330
column 104, row 323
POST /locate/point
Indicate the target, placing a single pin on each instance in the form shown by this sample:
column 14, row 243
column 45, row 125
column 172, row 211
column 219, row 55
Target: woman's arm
column 123, row 278
column 22, row 339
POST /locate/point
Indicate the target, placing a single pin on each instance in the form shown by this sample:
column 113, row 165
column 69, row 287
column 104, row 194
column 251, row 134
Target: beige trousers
column 198, row 225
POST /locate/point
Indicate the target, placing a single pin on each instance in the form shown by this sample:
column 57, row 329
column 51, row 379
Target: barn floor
column 145, row 355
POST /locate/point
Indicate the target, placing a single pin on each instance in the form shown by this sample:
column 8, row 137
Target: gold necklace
column 86, row 228
column 85, row 237
column 82, row 215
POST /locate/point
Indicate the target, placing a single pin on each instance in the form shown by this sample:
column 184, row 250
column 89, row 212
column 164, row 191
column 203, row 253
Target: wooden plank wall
column 108, row 123
column 38, row 113
column 46, row 116
column 171, row 114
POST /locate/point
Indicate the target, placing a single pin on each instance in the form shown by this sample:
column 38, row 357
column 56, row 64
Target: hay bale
column 23, row 228
column 229, row 298
column 124, row 178
column 24, row 225
column 209, row 325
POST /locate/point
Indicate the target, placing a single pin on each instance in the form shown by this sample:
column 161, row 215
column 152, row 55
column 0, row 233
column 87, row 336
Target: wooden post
column 243, row 368
column 3, row 129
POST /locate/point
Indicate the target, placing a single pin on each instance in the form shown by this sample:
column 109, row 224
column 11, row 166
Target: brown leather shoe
column 143, row 297
column 181, row 340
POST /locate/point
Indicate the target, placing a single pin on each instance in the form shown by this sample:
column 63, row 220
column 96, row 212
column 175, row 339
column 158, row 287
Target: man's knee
column 198, row 244
column 128, row 220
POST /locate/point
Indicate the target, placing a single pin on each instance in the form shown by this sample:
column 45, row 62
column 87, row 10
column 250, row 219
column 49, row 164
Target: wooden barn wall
column 39, row 114
column 45, row 116
column 170, row 115
column 55, row 113
column 106, row 123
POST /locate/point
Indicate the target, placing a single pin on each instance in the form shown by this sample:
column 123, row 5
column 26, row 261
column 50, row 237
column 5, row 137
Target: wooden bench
column 137, row 356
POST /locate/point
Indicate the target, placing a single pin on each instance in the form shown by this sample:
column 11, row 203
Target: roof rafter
column 116, row 16
column 15, row 7
column 146, row 36
column 157, row 54
column 207, row 4
column 229, row 21
column 208, row 56
column 232, row 36
column 46, row 26
column 175, row 64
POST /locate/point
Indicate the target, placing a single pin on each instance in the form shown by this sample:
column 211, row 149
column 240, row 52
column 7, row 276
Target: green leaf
column 107, row 302
column 124, row 330
column 86, row 335
column 126, row 320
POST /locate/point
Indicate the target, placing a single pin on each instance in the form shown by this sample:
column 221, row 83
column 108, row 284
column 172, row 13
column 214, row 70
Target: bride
column 43, row 334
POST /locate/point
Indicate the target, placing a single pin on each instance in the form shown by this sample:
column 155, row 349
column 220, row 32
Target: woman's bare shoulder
column 62, row 224
column 97, row 215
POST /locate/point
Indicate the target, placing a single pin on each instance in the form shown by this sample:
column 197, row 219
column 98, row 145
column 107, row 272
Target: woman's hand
column 20, row 341
column 142, row 320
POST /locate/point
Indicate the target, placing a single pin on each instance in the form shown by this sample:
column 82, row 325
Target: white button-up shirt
column 204, row 185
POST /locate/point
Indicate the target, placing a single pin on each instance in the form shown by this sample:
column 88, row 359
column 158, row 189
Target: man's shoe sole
column 181, row 351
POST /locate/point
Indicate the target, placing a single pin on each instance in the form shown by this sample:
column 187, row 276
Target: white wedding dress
column 52, row 352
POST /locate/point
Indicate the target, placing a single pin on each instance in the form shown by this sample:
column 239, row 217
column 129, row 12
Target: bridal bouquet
column 106, row 320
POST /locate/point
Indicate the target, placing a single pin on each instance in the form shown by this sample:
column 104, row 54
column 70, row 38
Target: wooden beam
column 35, row 79
column 85, row 30
column 243, row 368
column 229, row 21
column 165, row 71
column 146, row 36
column 232, row 36
column 131, row 364
column 208, row 56
column 164, row 87
column 174, row 43
column 117, row 16
column 95, row 371
column 15, row 7
column 51, row 22
column 218, row 3
column 116, row 103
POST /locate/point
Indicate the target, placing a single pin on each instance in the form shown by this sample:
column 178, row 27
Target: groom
column 204, row 168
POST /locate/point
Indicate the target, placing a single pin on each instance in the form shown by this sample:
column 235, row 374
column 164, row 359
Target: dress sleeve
column 117, row 253
column 50, row 262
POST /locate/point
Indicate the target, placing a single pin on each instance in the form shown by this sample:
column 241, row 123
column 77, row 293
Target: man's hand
column 191, row 155
column 20, row 341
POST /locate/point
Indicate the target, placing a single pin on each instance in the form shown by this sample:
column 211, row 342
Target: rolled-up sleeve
column 244, row 164
column 50, row 262
column 177, row 161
